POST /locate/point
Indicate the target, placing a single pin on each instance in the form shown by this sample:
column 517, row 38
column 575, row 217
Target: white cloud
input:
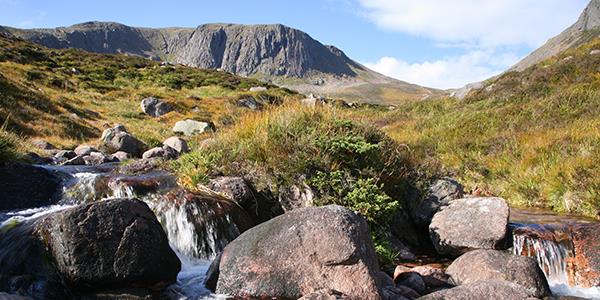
column 485, row 30
column 481, row 23
column 450, row 72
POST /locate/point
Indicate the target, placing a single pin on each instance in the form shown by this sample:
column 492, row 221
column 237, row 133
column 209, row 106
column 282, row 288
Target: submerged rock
column 16, row 182
column 302, row 252
column 109, row 244
column 482, row 265
column 469, row 224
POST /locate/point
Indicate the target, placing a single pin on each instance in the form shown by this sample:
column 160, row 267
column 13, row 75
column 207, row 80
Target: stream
column 539, row 234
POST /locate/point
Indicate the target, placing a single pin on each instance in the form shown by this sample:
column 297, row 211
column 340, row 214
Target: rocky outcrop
column 16, row 182
column 109, row 244
column 481, row 265
column 302, row 252
column 468, row 224
column 482, row 290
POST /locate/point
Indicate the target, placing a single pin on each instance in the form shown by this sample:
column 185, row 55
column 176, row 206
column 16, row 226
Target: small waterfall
column 553, row 250
column 83, row 188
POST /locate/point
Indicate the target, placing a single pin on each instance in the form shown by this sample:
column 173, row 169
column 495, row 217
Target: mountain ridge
column 272, row 52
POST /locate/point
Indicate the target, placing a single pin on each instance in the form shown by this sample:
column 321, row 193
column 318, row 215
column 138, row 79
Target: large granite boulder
column 155, row 107
column 586, row 242
column 302, row 252
column 468, row 224
column 16, row 182
column 109, row 244
column 481, row 265
column 439, row 194
column 482, row 290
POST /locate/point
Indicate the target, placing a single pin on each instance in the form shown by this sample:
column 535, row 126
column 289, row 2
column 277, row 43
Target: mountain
column 585, row 29
column 274, row 53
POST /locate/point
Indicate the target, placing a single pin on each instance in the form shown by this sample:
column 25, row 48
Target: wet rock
column 235, row 188
column 122, row 294
column 40, row 144
column 124, row 186
column 468, row 224
column 249, row 102
column 96, row 158
column 155, row 107
column 16, row 184
column 178, row 144
column 482, row 290
column 215, row 220
column 37, row 159
column 75, row 161
column 65, row 155
column 586, row 242
column 301, row 252
column 482, row 265
column 192, row 127
column 83, row 150
column 109, row 244
column 326, row 294
column 439, row 194
column 212, row 274
column 140, row 166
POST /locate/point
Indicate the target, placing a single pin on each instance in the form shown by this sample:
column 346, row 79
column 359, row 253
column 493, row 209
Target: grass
column 69, row 97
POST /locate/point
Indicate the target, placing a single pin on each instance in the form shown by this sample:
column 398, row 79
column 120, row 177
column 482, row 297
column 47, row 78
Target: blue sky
column 437, row 43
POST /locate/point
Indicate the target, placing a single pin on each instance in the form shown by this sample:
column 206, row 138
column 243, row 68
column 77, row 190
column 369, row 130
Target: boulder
column 434, row 277
column 258, row 89
column 157, row 152
column 296, row 196
column 586, row 244
column 302, row 252
column 235, row 188
column 439, row 194
column 140, row 166
column 178, row 144
column 64, row 155
column 468, row 224
column 75, row 161
column 121, row 156
column 155, row 107
column 109, row 244
column 109, row 134
column 482, row 290
column 40, row 144
column 191, row 127
column 326, row 294
column 96, row 158
column 412, row 280
column 216, row 221
column 481, row 265
column 83, row 150
column 16, row 185
column 123, row 141
column 249, row 102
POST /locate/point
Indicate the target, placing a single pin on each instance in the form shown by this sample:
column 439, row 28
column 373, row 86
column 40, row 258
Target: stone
column 191, row 127
column 83, row 150
column 178, row 144
column 121, row 155
column 40, row 144
column 439, row 194
column 109, row 244
column 412, row 280
column 595, row 52
column 65, row 155
column 141, row 166
column 296, row 196
column 434, row 277
column 258, row 89
column 75, row 161
column 312, row 101
column 235, row 188
column 154, row 152
column 399, row 293
column 326, row 294
column 123, row 141
column 109, row 134
column 155, row 107
column 468, row 224
column 482, row 290
column 96, row 158
column 586, row 242
column 302, row 252
column 481, row 265
column 16, row 186
column 249, row 102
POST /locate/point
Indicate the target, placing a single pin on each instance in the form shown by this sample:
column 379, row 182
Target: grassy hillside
column 532, row 137
column 69, row 96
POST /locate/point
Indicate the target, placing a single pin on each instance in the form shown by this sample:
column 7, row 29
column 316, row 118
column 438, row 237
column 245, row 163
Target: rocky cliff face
column 275, row 53
column 583, row 30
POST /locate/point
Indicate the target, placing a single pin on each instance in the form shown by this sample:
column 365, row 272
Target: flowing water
column 89, row 184
column 546, row 237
